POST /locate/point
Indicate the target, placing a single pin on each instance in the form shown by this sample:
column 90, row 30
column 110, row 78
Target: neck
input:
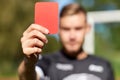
column 80, row 55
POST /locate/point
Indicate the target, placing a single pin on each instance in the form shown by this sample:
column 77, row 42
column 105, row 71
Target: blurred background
column 17, row 15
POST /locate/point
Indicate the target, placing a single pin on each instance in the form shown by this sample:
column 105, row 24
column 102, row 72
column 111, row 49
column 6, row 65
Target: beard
column 72, row 54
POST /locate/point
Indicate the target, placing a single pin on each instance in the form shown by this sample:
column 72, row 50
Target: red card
column 46, row 15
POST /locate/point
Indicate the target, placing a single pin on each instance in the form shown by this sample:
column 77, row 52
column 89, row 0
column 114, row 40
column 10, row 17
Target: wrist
column 31, row 60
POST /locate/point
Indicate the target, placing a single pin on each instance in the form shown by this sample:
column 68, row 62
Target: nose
column 72, row 34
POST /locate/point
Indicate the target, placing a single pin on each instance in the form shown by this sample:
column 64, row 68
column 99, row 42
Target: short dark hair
column 72, row 9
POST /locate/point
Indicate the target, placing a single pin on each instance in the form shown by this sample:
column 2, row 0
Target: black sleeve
column 110, row 72
column 44, row 63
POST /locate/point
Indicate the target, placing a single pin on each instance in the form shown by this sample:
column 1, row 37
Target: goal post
column 98, row 17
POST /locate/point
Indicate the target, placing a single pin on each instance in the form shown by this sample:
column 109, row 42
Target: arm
column 32, row 42
column 110, row 72
column 26, row 70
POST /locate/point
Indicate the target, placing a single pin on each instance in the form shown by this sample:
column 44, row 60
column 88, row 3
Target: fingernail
column 46, row 31
column 46, row 41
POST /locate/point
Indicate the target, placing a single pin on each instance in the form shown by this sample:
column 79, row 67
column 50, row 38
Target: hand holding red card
column 46, row 15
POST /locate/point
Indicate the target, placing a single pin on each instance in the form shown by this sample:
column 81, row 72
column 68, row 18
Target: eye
column 79, row 28
column 65, row 28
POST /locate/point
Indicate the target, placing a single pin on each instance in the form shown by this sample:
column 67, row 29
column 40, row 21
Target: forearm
column 26, row 70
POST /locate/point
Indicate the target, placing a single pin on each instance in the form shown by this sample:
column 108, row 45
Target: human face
column 72, row 32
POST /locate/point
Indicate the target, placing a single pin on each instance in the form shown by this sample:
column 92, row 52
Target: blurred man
column 71, row 62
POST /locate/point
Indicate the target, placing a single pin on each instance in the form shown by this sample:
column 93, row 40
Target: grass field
column 9, row 78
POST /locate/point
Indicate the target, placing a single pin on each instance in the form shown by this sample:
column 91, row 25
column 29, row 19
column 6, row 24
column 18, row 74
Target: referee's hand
column 34, row 39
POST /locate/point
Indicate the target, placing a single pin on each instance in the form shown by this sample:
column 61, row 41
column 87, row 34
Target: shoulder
column 49, row 57
column 45, row 61
column 99, row 61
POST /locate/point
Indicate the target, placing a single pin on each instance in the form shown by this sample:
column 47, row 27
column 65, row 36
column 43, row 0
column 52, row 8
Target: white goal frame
column 98, row 17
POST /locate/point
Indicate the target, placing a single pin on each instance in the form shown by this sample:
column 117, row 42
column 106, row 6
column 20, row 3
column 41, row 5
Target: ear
column 88, row 28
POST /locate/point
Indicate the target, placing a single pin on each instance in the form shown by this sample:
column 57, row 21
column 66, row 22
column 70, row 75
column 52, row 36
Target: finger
column 35, row 34
column 36, row 27
column 29, row 51
column 33, row 43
